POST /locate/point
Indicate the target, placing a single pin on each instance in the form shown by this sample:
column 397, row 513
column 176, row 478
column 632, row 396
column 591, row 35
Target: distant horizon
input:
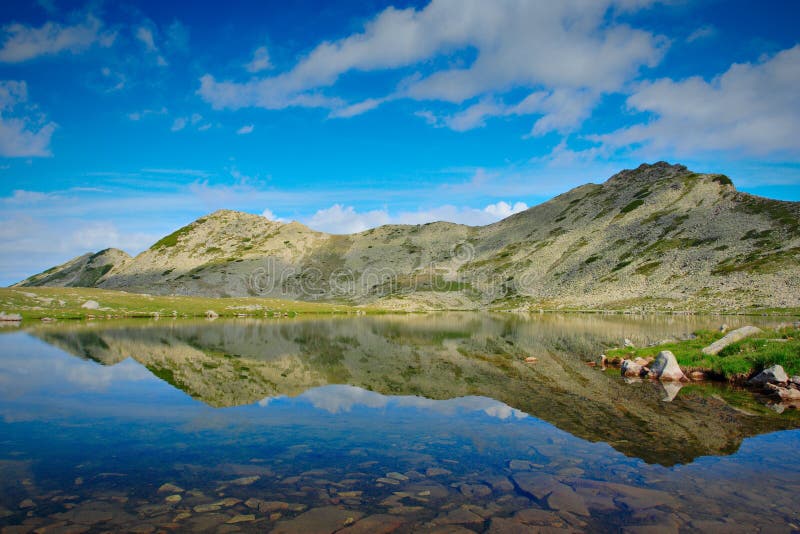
column 122, row 122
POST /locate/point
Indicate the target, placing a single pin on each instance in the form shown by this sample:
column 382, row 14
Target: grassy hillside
column 67, row 303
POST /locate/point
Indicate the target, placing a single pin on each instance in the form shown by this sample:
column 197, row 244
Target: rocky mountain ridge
column 659, row 236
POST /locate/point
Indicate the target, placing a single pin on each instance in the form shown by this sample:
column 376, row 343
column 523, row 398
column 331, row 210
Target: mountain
column 659, row 236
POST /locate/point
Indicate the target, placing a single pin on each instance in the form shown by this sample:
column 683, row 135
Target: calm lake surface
column 428, row 423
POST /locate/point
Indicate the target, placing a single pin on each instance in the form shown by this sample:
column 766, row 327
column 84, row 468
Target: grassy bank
column 781, row 346
column 67, row 303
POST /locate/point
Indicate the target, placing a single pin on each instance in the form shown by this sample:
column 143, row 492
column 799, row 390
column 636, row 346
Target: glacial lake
column 411, row 423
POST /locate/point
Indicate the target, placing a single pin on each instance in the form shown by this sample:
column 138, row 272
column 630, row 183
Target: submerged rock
column 731, row 338
column 666, row 368
column 322, row 520
column 770, row 375
column 170, row 488
column 632, row 369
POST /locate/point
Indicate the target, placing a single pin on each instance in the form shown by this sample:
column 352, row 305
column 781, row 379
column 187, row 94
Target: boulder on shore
column 666, row 368
column 731, row 338
column 11, row 317
column 770, row 375
column 211, row 314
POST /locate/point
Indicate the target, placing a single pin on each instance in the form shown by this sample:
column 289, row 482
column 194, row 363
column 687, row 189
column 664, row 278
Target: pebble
column 170, row 488
column 437, row 471
column 241, row 518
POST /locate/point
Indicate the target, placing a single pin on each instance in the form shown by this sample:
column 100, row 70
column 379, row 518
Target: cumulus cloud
column 569, row 47
column 23, row 131
column 260, row 61
column 752, row 108
column 269, row 214
column 246, row 129
column 339, row 219
column 22, row 43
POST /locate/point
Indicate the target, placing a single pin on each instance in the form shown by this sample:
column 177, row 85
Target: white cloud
column 569, row 48
column 246, row 129
column 139, row 115
column 178, row 124
column 752, row 108
column 501, row 210
column 260, row 61
column 703, row 32
column 561, row 110
column 340, row 219
column 356, row 109
column 269, row 214
column 23, row 131
column 22, row 43
column 146, row 36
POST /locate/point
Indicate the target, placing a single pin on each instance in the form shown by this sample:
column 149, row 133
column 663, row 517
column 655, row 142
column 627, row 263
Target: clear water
column 379, row 424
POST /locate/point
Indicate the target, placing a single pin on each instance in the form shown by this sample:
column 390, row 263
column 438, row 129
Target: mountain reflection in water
column 414, row 421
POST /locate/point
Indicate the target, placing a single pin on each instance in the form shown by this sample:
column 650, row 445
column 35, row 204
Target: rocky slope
column 656, row 236
column 83, row 271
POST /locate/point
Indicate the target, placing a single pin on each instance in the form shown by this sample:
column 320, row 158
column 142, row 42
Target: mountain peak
column 649, row 173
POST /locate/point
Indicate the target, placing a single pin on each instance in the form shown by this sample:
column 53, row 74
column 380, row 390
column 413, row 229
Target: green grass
column 647, row 268
column 172, row 239
column 65, row 303
column 735, row 361
column 632, row 206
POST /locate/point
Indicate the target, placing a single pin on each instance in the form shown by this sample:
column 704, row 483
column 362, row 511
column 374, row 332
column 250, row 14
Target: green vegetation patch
column 722, row 179
column 757, row 262
column 632, row 206
column 647, row 269
column 172, row 239
column 738, row 360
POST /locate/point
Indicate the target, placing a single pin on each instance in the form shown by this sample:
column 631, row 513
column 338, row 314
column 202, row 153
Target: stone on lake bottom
column 324, row 520
column 241, row 518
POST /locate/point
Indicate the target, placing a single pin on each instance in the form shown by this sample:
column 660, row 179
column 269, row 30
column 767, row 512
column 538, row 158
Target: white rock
column 666, row 367
column 732, row 337
column 770, row 375
column 91, row 305
column 211, row 314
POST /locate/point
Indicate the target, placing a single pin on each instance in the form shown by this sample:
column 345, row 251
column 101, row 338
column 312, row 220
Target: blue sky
column 121, row 121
